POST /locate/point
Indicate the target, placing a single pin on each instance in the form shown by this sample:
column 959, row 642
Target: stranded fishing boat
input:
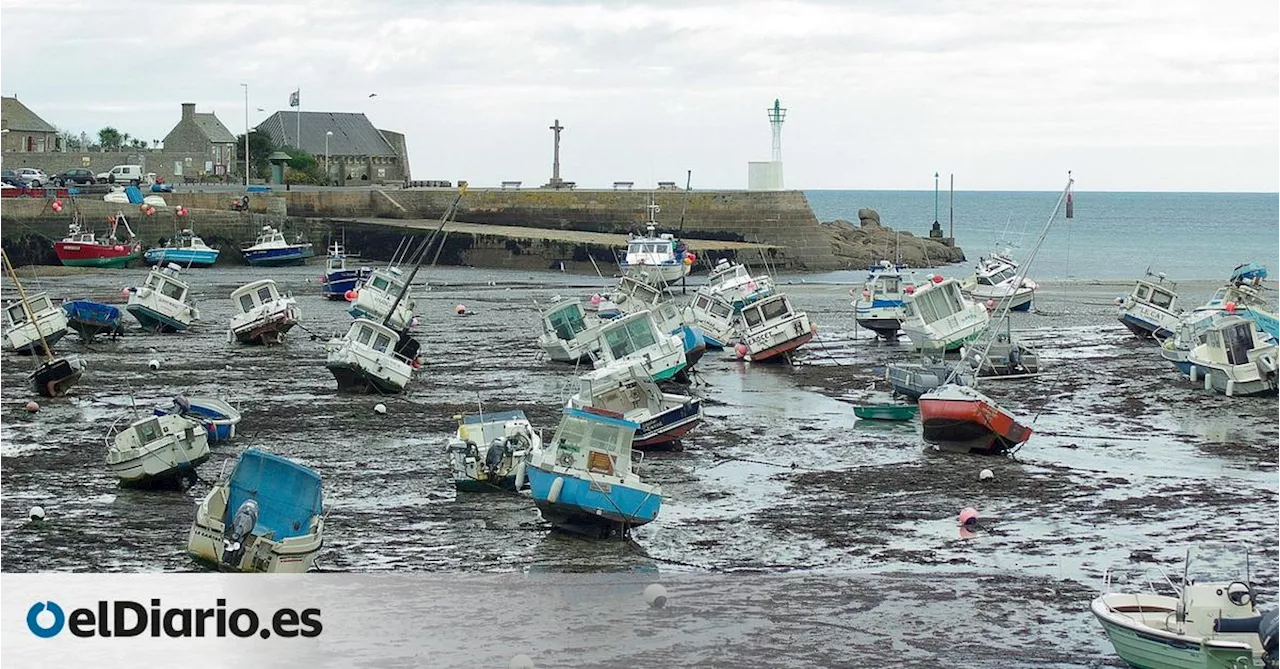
column 879, row 307
column 159, row 451
column 1234, row 359
column 640, row 292
column 271, row 250
column 89, row 319
column 507, row 439
column 338, row 278
column 55, row 375
column 1004, row 356
column 995, row 283
column 185, row 249
column 160, row 304
column 366, row 359
column 569, row 332
column 81, row 248
column 733, row 282
column 635, row 336
column 1148, row 310
column 714, row 318
column 585, row 480
column 939, row 317
column 911, row 380
column 384, row 296
column 35, row 325
column 661, row 255
column 624, row 387
column 267, row 516
column 217, row 415
column 771, row 328
column 263, row 316
column 959, row 418
column 1203, row 626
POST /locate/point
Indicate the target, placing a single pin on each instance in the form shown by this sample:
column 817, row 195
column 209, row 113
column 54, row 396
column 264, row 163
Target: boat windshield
column 1238, row 339
column 148, row 431
column 567, row 321
column 775, row 309
column 17, row 314
column 935, row 305
column 39, row 304
column 246, row 303
column 266, row 294
column 889, row 284
column 385, row 285
column 578, row 434
column 1161, row 298
column 381, row 342
column 639, row 291
column 629, row 337
column 172, row 290
column 365, row 336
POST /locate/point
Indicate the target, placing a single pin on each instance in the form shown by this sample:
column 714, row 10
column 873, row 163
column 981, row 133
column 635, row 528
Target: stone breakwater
column 782, row 220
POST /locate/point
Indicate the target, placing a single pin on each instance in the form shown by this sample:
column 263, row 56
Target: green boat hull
column 112, row 263
column 1138, row 650
column 886, row 412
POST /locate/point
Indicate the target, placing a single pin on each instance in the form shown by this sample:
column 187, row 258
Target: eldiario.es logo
column 124, row 618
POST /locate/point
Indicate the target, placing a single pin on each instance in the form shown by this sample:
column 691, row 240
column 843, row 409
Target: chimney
column 188, row 110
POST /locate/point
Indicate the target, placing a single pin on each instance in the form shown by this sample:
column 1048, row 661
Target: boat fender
column 553, row 495
column 520, row 472
column 1266, row 363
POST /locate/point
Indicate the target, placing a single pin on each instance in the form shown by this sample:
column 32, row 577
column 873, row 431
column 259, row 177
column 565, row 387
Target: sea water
column 1188, row 236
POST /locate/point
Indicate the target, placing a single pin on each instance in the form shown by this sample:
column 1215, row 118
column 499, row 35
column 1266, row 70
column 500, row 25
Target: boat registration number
column 600, row 487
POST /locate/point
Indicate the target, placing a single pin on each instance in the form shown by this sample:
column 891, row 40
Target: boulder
column 869, row 217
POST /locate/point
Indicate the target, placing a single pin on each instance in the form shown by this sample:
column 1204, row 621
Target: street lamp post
column 246, row 135
column 327, row 135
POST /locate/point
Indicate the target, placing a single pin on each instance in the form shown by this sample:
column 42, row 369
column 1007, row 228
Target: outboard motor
column 1269, row 634
column 183, row 405
column 493, row 458
column 241, row 525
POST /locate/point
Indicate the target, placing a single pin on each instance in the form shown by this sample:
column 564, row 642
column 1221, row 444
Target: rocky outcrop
column 861, row 246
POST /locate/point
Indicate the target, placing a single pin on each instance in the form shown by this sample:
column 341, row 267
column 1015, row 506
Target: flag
column 1070, row 203
column 293, row 98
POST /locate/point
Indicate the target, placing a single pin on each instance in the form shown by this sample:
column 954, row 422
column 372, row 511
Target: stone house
column 358, row 153
column 24, row 132
column 203, row 134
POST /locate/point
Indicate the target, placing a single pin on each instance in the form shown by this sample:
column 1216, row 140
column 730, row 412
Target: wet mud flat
column 1129, row 466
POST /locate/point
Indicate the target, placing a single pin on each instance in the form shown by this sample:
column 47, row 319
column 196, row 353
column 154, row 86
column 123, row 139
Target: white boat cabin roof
column 767, row 310
column 270, row 234
column 388, row 280
column 629, row 334
column 253, row 295
column 712, row 304
column 935, row 301
column 993, row 275
column 164, row 280
column 1157, row 294
column 37, row 303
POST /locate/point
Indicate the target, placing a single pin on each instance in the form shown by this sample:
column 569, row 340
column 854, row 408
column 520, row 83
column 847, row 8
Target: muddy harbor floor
column 1130, row 465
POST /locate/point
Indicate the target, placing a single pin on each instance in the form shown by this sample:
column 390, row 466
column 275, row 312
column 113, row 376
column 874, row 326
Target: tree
column 70, row 142
column 109, row 139
column 303, row 168
column 260, row 146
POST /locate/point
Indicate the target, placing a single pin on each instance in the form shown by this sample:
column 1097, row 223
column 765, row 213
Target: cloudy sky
column 1133, row 95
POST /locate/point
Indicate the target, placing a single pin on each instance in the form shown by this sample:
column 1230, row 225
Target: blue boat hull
column 184, row 257
column 695, row 344
column 336, row 284
column 90, row 319
column 1025, row 306
column 289, row 255
column 1142, row 328
column 586, row 508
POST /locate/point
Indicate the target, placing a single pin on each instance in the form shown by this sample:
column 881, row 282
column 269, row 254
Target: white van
column 124, row 174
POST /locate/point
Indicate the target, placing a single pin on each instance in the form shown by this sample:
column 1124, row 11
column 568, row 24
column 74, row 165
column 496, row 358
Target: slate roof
column 18, row 118
column 213, row 128
column 353, row 134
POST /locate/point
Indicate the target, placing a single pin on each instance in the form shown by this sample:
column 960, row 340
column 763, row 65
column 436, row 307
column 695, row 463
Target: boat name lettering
column 127, row 618
column 600, row 487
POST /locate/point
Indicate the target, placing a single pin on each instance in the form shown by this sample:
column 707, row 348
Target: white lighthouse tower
column 768, row 176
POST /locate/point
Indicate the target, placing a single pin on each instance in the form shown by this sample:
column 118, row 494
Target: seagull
column 373, row 95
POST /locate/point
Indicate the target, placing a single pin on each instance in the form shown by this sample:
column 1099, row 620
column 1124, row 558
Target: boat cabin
column 385, row 281
column 766, row 312
column 1159, row 295
column 644, row 295
column 630, row 334
column 253, row 295
column 165, row 282
column 713, row 305
column 1230, row 341
column 289, row 496
column 620, row 387
column 591, row 441
column 997, row 277
column 375, row 336
column 38, row 304
column 566, row 320
column 725, row 274
column 934, row 302
column 884, row 280
column 185, row 239
column 337, row 259
column 77, row 236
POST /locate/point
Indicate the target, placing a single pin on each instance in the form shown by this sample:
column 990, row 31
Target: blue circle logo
column 33, row 619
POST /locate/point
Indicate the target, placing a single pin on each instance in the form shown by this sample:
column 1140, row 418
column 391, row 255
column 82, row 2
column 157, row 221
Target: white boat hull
column 364, row 370
column 265, row 326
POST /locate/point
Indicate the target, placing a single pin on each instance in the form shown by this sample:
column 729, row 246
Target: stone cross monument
column 556, row 182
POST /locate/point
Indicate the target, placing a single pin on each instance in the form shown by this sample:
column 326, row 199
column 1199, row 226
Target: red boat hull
column 970, row 425
column 78, row 254
column 784, row 347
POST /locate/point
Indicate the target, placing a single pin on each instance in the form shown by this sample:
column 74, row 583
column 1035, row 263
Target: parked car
column 76, row 176
column 34, row 176
column 10, row 177
column 125, row 174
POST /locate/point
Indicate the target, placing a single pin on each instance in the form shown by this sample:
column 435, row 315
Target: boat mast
column 26, row 308
column 422, row 253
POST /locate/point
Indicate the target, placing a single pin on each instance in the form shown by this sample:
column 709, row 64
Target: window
column 953, row 303
column 1161, row 299
column 381, row 343
column 721, row 309
column 1143, row 293
column 264, row 294
column 17, row 314
column 380, row 283
column 365, row 335
column 928, row 304
column 702, row 303
column 984, row 281
column 775, row 309
column 39, row 304
column 890, row 284
column 752, row 316
column 1239, row 339
column 567, row 322
column 148, row 431
column 172, row 290
column 246, row 303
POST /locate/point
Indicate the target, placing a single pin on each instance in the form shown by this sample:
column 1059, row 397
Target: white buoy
column 522, row 661
column 153, row 364
column 152, row 350
column 986, row 474
column 655, row 595
column 36, row 513
column 379, row 408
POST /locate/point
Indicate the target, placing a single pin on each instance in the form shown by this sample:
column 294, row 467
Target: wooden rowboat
column 886, row 411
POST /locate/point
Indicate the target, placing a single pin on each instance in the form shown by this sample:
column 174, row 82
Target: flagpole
column 297, row 137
